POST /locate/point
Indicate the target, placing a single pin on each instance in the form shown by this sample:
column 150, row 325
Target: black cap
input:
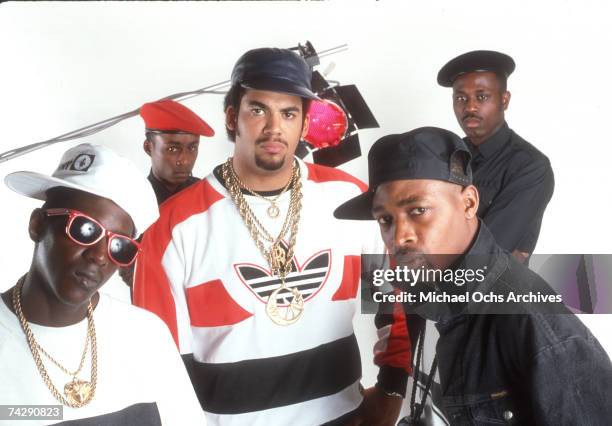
column 478, row 60
column 423, row 153
column 277, row 70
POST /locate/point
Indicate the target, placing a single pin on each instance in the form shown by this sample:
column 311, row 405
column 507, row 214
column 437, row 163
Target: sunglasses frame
column 73, row 214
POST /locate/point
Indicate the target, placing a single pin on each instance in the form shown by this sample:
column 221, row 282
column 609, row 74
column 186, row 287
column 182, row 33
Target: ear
column 506, row 99
column 471, row 200
column 146, row 145
column 230, row 118
column 36, row 226
column 306, row 125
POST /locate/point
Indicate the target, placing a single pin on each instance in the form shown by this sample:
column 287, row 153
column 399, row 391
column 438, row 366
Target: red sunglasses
column 87, row 231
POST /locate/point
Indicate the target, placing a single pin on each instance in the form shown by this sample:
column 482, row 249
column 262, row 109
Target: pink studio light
column 327, row 124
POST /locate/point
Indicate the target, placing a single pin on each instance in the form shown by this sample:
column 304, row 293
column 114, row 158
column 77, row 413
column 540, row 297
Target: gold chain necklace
column 273, row 211
column 78, row 392
column 61, row 367
column 279, row 261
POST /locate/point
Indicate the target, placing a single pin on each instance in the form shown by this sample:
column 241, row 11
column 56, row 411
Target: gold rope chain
column 74, row 401
column 60, row 366
column 248, row 213
column 273, row 211
column 278, row 261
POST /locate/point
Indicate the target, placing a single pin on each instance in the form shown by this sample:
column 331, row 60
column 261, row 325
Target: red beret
column 173, row 117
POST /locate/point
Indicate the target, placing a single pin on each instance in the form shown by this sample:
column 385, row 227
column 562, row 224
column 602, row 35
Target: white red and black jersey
column 204, row 276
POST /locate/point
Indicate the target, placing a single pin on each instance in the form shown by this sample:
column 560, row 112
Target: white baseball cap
column 97, row 170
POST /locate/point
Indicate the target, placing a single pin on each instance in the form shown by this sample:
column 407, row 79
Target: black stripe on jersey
column 290, row 279
column 260, row 384
column 300, row 287
column 137, row 414
column 253, row 273
column 321, row 261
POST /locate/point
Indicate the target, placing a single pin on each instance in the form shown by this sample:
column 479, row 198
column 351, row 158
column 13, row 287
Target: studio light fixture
column 330, row 142
column 327, row 124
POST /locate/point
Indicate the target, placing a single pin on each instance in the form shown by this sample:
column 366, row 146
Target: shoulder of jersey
column 319, row 174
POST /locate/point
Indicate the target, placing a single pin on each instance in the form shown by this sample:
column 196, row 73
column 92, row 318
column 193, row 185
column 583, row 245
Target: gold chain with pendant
column 78, row 392
column 280, row 263
column 273, row 211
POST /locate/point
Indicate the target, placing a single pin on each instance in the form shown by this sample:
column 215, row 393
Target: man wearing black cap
column 514, row 179
column 512, row 362
column 257, row 280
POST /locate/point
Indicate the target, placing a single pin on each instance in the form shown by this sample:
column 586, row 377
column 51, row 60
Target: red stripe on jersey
column 350, row 279
column 318, row 173
column 152, row 289
column 399, row 349
column 210, row 305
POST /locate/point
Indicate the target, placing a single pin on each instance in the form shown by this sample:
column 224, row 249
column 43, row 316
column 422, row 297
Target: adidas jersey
column 204, row 276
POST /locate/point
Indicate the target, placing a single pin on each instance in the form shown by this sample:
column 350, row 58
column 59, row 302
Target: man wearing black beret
column 514, row 179
column 499, row 361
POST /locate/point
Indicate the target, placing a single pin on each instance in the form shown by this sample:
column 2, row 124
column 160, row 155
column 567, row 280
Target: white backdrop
column 66, row 65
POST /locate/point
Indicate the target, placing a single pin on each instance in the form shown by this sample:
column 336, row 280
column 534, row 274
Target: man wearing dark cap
column 172, row 139
column 257, row 280
column 499, row 363
column 514, row 179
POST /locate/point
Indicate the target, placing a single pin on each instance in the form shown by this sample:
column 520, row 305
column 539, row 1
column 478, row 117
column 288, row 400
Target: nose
column 180, row 159
column 98, row 253
column 404, row 235
column 471, row 105
column 273, row 123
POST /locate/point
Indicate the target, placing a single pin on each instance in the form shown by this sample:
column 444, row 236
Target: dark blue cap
column 477, row 60
column 276, row 70
column 423, row 153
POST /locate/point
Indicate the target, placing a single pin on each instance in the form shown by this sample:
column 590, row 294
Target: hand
column 378, row 409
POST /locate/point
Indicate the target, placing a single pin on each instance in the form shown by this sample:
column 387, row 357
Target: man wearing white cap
column 63, row 344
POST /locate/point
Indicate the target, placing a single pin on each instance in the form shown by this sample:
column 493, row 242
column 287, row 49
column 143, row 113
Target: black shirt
column 515, row 182
column 162, row 193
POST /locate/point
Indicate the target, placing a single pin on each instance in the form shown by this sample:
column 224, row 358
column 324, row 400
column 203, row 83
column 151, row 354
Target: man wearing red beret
column 172, row 138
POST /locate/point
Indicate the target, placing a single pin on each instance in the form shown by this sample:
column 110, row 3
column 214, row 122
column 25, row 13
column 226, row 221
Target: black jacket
column 525, row 366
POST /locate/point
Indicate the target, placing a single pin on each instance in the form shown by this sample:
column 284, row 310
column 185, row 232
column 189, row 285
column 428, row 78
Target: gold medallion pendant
column 285, row 315
column 273, row 211
column 77, row 391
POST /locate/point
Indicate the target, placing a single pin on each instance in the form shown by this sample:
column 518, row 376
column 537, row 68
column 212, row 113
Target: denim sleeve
column 570, row 383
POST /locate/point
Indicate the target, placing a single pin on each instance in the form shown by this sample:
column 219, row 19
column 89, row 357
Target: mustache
column 411, row 257
column 265, row 139
column 402, row 251
column 468, row 116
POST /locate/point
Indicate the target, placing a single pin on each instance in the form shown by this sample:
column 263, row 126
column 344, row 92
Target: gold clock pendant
column 285, row 315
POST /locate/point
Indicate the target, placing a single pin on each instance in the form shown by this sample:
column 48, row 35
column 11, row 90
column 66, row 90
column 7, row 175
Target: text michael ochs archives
column 431, row 287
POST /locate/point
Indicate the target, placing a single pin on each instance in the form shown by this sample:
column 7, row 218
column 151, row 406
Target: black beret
column 478, row 60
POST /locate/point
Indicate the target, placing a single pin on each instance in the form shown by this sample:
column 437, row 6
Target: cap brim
column 280, row 85
column 35, row 185
column 357, row 208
